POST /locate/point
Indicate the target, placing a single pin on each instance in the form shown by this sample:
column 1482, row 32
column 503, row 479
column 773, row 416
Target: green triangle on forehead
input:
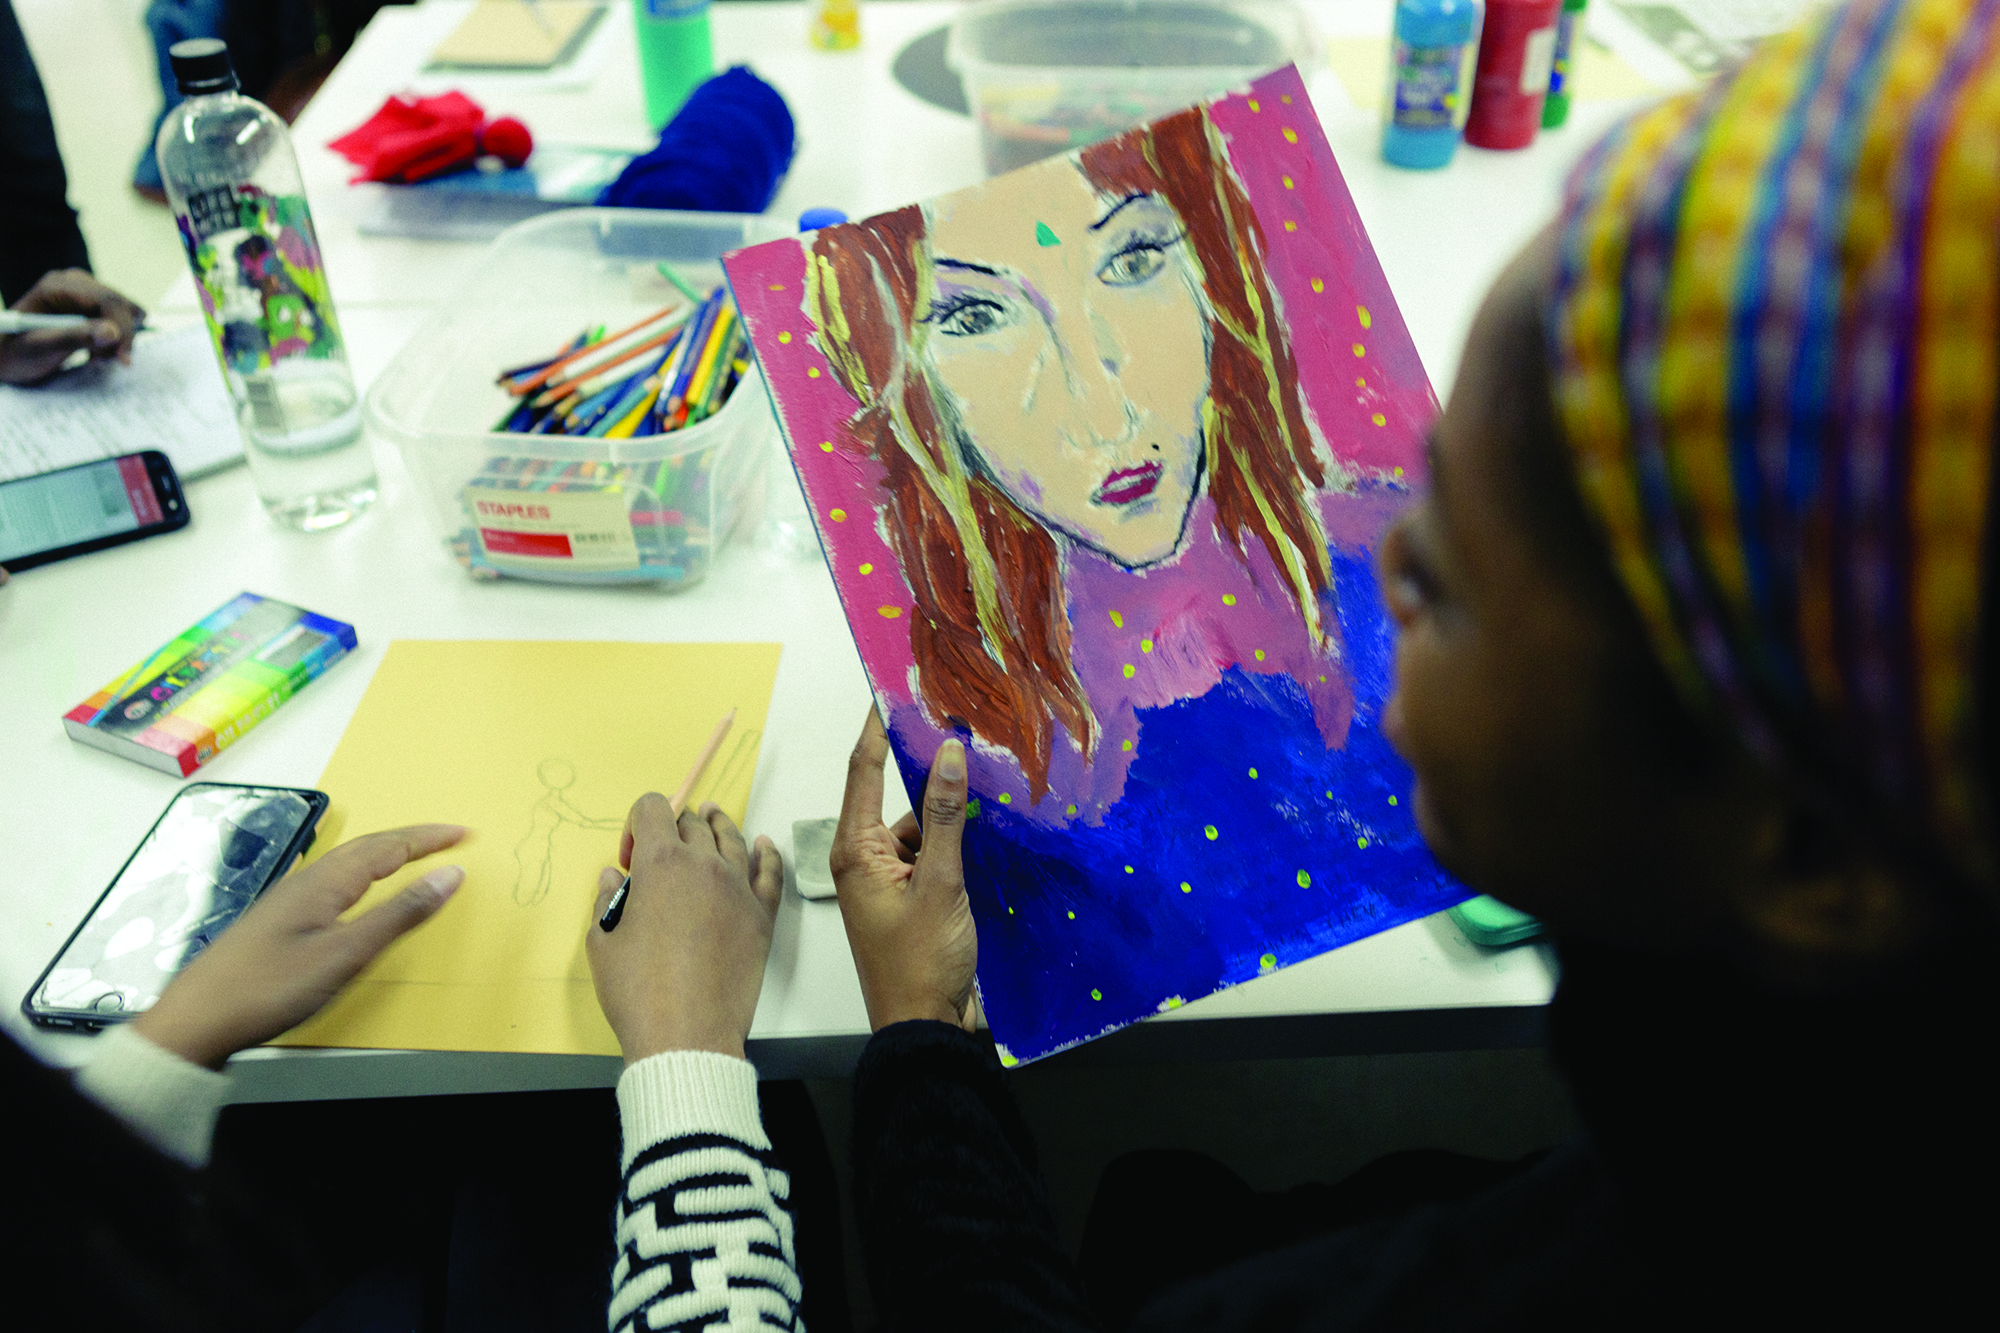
column 1044, row 236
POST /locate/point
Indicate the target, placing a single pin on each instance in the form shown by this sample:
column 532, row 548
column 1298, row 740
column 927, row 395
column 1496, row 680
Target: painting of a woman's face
column 1074, row 356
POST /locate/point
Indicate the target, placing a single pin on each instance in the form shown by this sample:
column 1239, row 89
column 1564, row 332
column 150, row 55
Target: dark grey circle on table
column 920, row 68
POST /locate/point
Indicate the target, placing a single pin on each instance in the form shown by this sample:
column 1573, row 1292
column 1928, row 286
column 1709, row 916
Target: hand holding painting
column 685, row 972
column 290, row 953
column 902, row 891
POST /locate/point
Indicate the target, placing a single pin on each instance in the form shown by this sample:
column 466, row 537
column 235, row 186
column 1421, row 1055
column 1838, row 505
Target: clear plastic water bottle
column 234, row 185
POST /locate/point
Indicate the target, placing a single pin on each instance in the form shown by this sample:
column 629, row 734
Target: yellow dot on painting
column 1130, row 671
column 837, row 515
column 1010, row 911
column 1260, row 654
column 1229, row 599
column 1129, row 870
column 1318, row 285
column 812, row 372
column 1359, row 350
column 1289, row 183
column 775, row 287
column 1096, row 994
column 1360, row 381
column 1008, row 1059
column 1175, row 1002
column 1305, row 880
column 1254, row 106
column 1291, row 135
column 1072, row 916
column 1117, row 621
column 1399, row 474
column 1291, row 225
column 1211, row 832
column 891, row 612
column 1253, row 772
column 1329, row 795
column 1362, row 843
column 1186, row 887
column 1006, row 798
column 867, row 568
column 1392, row 800
column 1367, row 320
column 1127, row 745
column 1286, row 98
column 784, row 337
column 1269, row 962
column 1379, row 419
column 1145, row 645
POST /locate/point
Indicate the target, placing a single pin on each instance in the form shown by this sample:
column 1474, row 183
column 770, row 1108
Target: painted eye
column 969, row 318
column 1133, row 265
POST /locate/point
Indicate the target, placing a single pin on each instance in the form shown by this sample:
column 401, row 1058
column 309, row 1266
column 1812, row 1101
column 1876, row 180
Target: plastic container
column 1431, row 59
column 1046, row 76
column 1517, row 50
column 651, row 510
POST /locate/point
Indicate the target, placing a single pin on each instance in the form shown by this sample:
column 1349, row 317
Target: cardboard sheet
column 540, row 749
column 517, row 34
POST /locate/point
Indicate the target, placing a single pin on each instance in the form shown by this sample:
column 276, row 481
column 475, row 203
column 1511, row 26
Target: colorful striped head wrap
column 1775, row 342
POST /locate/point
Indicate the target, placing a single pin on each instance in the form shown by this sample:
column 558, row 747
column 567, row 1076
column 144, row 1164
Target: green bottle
column 675, row 56
column 1555, row 108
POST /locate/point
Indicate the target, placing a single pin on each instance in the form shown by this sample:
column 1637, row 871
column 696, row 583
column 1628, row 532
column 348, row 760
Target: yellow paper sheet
column 539, row 749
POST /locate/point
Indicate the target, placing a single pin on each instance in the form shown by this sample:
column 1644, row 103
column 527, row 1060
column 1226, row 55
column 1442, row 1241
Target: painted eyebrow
column 1117, row 208
column 966, row 267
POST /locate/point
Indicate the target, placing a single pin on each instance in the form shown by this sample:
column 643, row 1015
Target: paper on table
column 540, row 749
column 170, row 398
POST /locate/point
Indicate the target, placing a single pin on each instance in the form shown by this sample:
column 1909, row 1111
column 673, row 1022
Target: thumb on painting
column 944, row 806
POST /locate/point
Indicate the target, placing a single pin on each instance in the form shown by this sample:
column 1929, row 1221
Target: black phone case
column 76, row 1020
column 166, row 486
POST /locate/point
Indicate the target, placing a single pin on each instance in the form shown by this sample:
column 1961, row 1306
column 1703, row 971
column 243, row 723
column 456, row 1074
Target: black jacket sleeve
column 955, row 1221
column 38, row 229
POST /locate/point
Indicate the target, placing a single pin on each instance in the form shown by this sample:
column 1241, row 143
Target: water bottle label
column 1430, row 86
column 669, row 11
column 258, row 272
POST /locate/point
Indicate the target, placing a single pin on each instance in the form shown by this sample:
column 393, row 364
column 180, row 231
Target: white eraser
column 812, row 852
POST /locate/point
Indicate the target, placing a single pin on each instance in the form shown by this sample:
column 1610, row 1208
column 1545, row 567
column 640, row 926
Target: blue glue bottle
column 1431, row 59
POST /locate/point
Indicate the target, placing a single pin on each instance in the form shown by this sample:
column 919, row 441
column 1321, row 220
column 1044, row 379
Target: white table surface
column 71, row 814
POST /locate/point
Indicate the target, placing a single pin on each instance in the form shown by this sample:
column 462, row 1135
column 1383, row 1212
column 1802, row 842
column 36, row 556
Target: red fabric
column 413, row 139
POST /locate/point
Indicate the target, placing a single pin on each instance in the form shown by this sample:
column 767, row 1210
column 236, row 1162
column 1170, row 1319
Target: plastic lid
column 201, row 65
column 815, row 218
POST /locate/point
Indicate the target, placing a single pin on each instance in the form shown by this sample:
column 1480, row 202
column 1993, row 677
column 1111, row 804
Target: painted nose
column 1097, row 384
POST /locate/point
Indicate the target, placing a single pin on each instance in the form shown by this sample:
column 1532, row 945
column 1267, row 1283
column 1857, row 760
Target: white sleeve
column 705, row 1220
column 162, row 1098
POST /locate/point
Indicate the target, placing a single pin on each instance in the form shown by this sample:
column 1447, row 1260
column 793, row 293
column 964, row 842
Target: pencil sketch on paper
column 535, row 854
column 1099, row 452
column 722, row 779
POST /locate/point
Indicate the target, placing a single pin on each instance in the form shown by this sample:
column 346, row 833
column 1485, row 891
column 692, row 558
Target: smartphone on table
column 55, row 515
column 215, row 849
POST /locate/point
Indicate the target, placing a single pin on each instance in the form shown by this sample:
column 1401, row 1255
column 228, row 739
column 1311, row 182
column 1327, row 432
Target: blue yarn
column 725, row 151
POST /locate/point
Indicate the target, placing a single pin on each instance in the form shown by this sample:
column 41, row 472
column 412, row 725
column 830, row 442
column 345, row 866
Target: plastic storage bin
column 652, row 509
column 1045, row 76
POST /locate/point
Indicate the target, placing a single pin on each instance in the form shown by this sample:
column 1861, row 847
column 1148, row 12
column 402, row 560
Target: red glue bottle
column 1516, row 52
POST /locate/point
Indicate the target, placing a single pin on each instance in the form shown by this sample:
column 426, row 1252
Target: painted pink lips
column 1129, row 485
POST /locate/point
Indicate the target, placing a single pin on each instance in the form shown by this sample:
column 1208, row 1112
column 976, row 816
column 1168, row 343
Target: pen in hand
column 615, row 909
column 22, row 321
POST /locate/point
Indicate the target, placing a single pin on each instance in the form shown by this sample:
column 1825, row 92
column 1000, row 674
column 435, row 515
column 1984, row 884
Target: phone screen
column 207, row 859
column 77, row 504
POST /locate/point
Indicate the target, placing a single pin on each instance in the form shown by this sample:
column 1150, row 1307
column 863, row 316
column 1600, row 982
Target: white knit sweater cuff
column 162, row 1098
column 676, row 1093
